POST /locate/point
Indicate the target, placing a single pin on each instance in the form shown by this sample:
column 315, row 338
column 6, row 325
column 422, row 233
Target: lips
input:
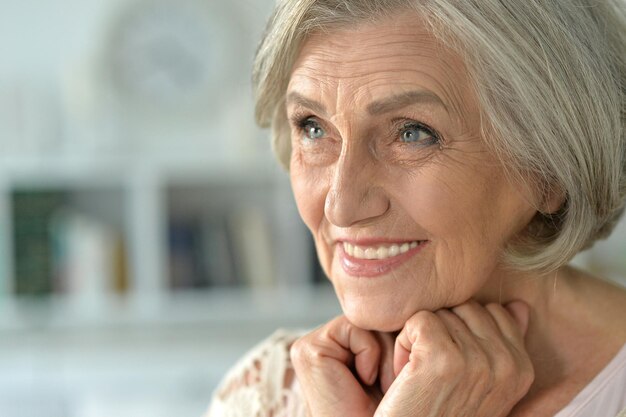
column 382, row 258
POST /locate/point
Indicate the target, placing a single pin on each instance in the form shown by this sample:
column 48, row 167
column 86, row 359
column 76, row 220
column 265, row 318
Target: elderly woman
column 449, row 158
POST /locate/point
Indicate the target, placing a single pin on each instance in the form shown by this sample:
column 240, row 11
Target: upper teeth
column 381, row 252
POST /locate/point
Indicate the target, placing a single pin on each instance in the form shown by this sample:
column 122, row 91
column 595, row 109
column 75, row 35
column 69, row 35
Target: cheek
column 309, row 191
column 441, row 204
column 466, row 207
column 469, row 220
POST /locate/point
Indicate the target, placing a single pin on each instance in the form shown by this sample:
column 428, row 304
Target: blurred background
column 147, row 237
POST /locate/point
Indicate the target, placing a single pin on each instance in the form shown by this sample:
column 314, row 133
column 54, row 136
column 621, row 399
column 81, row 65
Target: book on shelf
column 59, row 250
column 221, row 249
column 218, row 258
column 253, row 246
column 201, row 252
column 121, row 278
column 32, row 212
column 185, row 253
column 89, row 257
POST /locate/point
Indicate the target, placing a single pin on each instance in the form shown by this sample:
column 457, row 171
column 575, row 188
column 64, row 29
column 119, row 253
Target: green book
column 32, row 240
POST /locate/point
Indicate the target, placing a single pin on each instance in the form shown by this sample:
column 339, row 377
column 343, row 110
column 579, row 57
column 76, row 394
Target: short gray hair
column 550, row 77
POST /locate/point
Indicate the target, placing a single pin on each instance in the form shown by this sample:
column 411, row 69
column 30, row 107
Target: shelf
column 215, row 308
column 85, row 171
column 153, row 352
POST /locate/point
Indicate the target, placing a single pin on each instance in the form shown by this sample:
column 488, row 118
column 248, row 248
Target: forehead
column 377, row 59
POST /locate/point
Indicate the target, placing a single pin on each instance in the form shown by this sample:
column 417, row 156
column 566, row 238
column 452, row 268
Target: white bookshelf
column 127, row 157
column 98, row 358
column 99, row 114
column 144, row 204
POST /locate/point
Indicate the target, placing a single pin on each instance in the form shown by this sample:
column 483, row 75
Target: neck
column 568, row 337
column 533, row 288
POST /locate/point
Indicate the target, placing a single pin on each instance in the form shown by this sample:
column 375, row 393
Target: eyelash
column 301, row 123
column 406, row 124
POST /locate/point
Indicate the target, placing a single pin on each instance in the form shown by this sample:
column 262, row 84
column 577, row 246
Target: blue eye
column 312, row 130
column 418, row 134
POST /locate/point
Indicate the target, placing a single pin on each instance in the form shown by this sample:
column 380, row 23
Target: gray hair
column 550, row 77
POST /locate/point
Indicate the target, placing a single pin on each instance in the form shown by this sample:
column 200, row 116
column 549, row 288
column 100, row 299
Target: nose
column 355, row 194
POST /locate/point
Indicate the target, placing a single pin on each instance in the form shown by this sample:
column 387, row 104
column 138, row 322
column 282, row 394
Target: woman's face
column 388, row 162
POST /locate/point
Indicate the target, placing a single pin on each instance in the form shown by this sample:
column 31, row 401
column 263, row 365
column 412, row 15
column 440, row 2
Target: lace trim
column 262, row 383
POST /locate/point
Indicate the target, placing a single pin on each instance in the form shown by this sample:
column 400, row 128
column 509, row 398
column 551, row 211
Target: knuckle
column 480, row 362
column 449, row 364
column 298, row 351
column 481, row 371
column 303, row 353
column 526, row 378
column 485, row 382
column 507, row 367
column 513, row 376
column 303, row 349
column 509, row 359
column 422, row 323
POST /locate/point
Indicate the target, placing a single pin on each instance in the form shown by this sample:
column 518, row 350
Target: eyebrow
column 402, row 100
column 300, row 100
column 377, row 107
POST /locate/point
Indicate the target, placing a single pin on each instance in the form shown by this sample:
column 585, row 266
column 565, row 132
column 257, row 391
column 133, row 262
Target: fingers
column 428, row 367
column 363, row 345
column 385, row 372
column 366, row 350
column 469, row 357
column 422, row 335
column 493, row 321
column 326, row 361
column 511, row 327
column 457, row 329
column 500, row 335
column 341, row 341
column 521, row 313
column 477, row 319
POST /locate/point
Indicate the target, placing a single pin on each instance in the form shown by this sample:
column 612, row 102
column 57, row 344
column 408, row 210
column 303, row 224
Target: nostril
column 345, row 207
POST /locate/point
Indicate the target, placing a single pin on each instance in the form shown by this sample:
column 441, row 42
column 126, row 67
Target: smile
column 380, row 252
column 372, row 261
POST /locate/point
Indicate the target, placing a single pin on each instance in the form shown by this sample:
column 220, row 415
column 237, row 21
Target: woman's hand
column 469, row 361
column 337, row 366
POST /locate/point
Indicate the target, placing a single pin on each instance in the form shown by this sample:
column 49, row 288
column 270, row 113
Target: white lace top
column 263, row 384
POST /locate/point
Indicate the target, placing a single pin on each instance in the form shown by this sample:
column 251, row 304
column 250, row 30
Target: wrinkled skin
column 361, row 181
column 355, row 176
column 469, row 361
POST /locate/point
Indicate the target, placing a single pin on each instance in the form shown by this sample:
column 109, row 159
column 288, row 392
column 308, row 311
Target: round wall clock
column 172, row 53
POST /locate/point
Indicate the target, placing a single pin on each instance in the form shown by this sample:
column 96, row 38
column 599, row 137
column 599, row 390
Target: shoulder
column 604, row 395
column 262, row 382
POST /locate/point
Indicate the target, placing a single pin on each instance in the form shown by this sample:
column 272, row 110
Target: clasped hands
column 467, row 361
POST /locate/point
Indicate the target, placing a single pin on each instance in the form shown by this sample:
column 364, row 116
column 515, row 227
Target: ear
column 553, row 200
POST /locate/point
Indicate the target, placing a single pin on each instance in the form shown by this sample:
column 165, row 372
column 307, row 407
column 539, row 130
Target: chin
column 375, row 321
column 374, row 311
